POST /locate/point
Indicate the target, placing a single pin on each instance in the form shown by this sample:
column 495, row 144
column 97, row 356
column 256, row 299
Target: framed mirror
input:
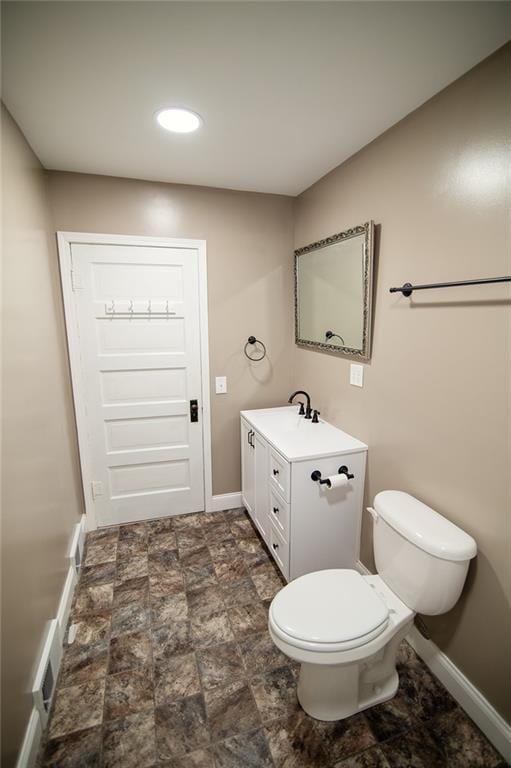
column 333, row 292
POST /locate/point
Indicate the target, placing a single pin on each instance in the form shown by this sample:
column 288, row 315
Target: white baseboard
column 30, row 747
column 484, row 715
column 77, row 544
column 74, row 557
column 66, row 600
column 466, row 694
column 225, row 501
column 51, row 651
column 51, row 655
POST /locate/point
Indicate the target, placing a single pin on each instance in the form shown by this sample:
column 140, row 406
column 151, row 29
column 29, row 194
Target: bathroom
column 386, row 124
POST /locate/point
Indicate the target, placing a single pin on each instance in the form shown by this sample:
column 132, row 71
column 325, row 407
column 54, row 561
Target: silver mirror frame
column 367, row 230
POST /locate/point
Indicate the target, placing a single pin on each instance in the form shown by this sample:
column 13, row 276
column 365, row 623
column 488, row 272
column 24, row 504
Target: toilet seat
column 328, row 611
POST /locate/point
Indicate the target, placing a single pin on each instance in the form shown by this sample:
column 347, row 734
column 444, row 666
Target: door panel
column 160, row 476
column 146, row 432
column 159, row 384
column 137, row 311
column 142, row 335
column 164, row 281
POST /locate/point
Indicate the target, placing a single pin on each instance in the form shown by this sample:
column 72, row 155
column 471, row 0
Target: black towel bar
column 407, row 288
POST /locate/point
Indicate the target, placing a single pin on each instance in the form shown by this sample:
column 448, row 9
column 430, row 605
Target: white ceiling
column 287, row 90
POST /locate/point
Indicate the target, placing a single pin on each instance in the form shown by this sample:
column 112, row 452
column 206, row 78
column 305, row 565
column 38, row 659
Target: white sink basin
column 298, row 438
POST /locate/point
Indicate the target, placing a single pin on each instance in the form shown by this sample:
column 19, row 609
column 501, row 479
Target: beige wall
column 41, row 497
column 249, row 242
column 435, row 407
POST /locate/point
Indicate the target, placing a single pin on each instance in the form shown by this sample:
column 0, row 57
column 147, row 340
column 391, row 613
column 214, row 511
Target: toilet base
column 335, row 692
column 354, row 679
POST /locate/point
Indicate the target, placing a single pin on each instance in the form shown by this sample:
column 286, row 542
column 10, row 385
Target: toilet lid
column 333, row 606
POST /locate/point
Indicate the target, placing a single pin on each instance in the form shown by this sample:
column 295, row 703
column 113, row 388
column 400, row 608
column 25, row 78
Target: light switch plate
column 357, row 375
column 221, row 385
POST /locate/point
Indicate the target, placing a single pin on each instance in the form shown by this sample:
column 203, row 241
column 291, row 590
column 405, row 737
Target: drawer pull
column 275, row 546
column 275, row 472
column 275, row 510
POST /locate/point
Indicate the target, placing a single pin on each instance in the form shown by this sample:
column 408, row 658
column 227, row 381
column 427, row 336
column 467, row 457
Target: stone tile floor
column 172, row 667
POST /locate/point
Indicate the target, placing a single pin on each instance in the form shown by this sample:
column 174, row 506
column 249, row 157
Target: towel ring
column 252, row 341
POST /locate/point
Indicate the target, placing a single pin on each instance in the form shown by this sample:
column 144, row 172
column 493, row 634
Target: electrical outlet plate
column 97, row 488
column 221, row 385
column 357, row 375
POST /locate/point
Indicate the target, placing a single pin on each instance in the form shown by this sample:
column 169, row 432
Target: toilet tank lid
column 424, row 527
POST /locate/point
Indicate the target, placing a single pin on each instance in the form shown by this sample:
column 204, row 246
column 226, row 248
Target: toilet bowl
column 344, row 628
column 346, row 645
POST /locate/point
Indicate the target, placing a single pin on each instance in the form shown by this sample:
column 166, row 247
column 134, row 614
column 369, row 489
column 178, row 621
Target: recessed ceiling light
column 178, row 120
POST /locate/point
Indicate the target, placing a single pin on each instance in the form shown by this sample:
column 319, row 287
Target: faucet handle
column 301, row 412
column 315, row 419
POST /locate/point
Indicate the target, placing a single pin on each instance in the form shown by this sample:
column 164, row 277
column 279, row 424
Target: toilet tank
column 419, row 554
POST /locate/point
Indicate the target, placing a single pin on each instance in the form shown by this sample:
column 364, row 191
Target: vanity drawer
column 280, row 472
column 279, row 513
column 280, row 551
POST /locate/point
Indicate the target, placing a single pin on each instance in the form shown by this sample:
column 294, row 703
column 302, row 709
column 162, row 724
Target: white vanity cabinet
column 254, row 471
column 306, row 526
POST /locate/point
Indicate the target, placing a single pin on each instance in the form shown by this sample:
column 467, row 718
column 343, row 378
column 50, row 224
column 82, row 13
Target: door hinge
column 96, row 488
column 76, row 280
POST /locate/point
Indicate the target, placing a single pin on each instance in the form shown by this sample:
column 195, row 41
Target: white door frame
column 65, row 240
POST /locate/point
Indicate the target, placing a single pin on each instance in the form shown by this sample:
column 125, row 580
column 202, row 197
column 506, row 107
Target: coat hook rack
column 407, row 288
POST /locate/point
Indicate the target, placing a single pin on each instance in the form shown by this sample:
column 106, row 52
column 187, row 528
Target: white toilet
column 345, row 628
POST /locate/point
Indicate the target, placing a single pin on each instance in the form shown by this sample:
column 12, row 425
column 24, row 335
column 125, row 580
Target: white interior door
column 137, row 315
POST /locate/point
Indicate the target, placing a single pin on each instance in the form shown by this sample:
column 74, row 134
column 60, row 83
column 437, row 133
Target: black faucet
column 308, row 409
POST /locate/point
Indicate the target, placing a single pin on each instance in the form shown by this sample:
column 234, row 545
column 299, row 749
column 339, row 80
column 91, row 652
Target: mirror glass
column 333, row 292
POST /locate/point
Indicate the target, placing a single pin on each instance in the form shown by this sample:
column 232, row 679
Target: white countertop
column 297, row 438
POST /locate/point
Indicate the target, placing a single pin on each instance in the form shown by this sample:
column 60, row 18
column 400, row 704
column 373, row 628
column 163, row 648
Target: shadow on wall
column 444, row 630
column 470, row 303
column 376, row 264
column 448, row 629
column 480, row 571
column 260, row 371
column 445, row 627
column 477, row 658
column 239, row 368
